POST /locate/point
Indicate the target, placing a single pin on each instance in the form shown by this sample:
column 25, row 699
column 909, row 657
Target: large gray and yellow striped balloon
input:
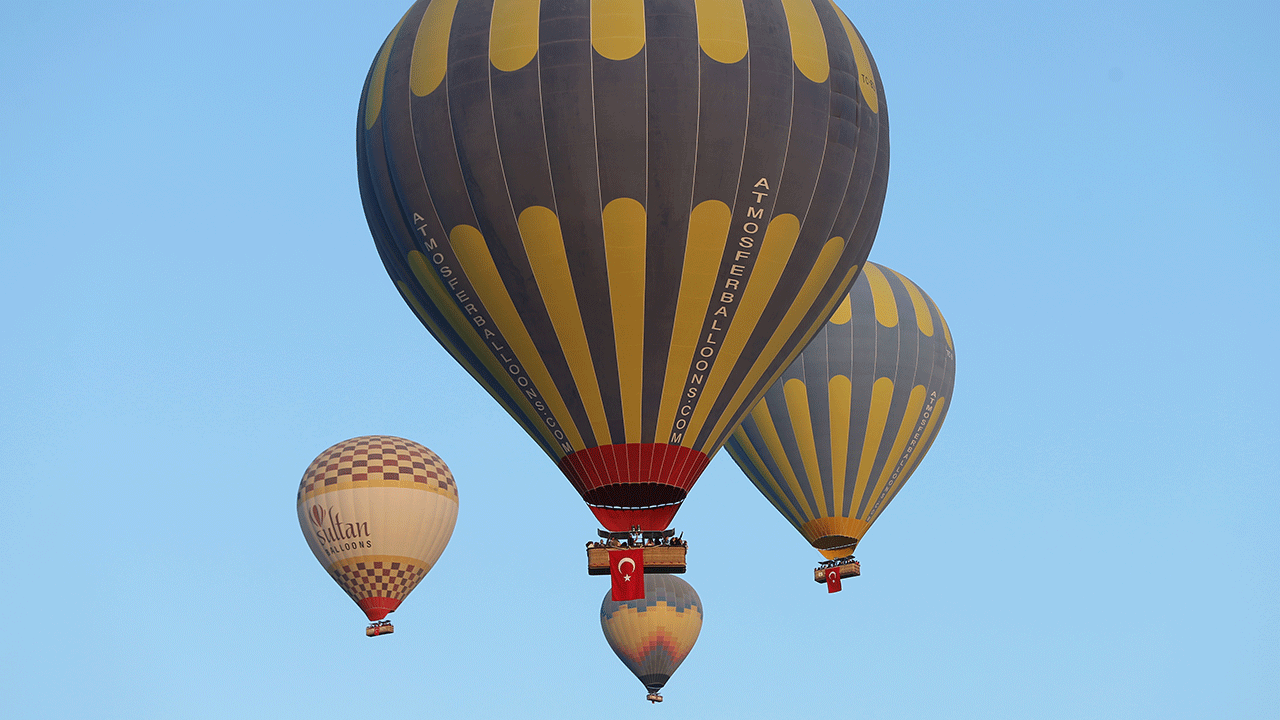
column 624, row 217
column 837, row 435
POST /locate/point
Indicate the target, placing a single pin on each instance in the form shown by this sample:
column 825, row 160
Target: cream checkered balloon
column 377, row 512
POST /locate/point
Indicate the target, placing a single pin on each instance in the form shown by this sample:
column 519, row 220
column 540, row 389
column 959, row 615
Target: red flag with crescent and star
column 833, row 580
column 626, row 569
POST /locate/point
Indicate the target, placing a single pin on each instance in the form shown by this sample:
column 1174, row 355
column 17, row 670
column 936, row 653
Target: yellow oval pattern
column 866, row 78
column 797, row 396
column 808, row 42
column 544, row 246
column 624, row 246
column 513, row 33
column 946, row 331
column 924, row 320
column 617, row 27
column 722, row 29
column 431, row 48
column 881, row 296
column 844, row 313
column 704, row 246
column 477, row 264
column 839, row 410
column 373, row 102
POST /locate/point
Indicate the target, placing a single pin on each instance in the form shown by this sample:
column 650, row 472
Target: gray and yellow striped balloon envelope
column 624, row 217
column 652, row 636
column 835, row 438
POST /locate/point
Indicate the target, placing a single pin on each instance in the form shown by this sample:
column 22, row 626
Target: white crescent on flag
column 624, row 561
column 832, row 575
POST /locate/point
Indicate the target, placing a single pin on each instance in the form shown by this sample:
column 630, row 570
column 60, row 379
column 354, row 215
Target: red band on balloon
column 376, row 608
column 635, row 483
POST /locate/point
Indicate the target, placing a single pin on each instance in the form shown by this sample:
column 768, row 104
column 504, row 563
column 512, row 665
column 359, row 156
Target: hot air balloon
column 836, row 437
column 377, row 511
column 624, row 218
column 654, row 635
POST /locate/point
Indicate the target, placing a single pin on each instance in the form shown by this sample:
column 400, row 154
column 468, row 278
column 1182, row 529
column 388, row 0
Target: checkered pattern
column 378, row 578
column 378, row 458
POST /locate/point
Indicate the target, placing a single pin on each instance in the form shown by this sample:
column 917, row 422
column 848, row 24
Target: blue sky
column 195, row 310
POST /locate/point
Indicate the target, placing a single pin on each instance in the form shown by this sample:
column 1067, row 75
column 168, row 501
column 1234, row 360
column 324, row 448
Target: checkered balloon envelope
column 377, row 512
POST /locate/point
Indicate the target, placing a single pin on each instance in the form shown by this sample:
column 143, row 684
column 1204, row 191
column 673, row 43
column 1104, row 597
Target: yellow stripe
column 866, row 79
column 844, row 313
column 881, row 296
column 808, row 42
column 617, row 27
column 373, row 102
column 946, row 331
column 722, row 29
column 802, row 427
column 544, row 245
column 775, row 250
column 442, row 336
column 818, row 324
column 877, row 418
column 924, row 320
column 513, row 33
column 911, row 416
column 354, row 485
column 840, row 404
column 708, row 230
column 431, row 47
column 444, row 302
column 773, row 442
column 804, row 302
column 916, row 452
column 916, row 456
column 477, row 263
column 793, row 515
column 624, row 246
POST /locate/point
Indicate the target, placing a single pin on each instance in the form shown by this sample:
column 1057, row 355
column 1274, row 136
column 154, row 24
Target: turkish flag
column 833, row 579
column 626, row 569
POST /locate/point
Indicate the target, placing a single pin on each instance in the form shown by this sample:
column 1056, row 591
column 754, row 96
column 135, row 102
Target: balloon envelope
column 377, row 511
column 654, row 635
column 835, row 438
column 621, row 217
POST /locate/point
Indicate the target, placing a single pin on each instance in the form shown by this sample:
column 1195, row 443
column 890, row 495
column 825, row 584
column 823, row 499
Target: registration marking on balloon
column 905, row 457
column 730, row 285
column 446, row 264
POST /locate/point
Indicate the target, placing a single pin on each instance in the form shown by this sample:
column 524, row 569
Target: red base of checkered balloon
column 376, row 608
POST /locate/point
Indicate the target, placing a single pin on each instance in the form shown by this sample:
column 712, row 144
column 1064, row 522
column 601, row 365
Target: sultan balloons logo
column 317, row 516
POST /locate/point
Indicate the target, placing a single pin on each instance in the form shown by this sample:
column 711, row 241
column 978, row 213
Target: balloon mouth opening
column 835, row 546
column 634, row 496
column 835, row 542
column 623, row 519
column 376, row 608
column 654, row 682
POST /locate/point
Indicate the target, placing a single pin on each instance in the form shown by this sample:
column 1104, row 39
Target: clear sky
column 194, row 309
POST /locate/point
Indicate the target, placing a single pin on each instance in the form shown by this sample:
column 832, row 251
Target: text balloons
column 837, row 435
column 623, row 218
column 377, row 512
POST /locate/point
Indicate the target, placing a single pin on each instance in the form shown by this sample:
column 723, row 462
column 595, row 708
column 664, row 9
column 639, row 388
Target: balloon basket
column 663, row 552
column 848, row 568
column 653, row 698
column 383, row 627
